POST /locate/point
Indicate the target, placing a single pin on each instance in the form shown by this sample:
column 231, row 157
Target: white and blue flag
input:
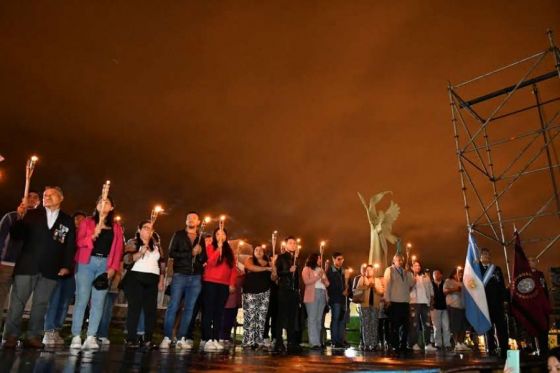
column 476, row 306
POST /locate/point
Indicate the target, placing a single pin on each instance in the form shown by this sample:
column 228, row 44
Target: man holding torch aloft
column 49, row 241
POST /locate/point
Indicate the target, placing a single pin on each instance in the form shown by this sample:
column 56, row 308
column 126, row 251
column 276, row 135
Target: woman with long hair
column 256, row 297
column 217, row 282
column 99, row 256
column 368, row 307
column 142, row 282
column 458, row 324
column 314, row 298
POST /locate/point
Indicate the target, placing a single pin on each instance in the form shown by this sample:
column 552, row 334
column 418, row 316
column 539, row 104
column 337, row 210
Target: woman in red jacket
column 218, row 281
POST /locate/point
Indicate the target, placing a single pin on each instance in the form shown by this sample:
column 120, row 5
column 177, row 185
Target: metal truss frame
column 487, row 188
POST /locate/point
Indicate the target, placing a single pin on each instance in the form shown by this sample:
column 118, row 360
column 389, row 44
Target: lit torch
column 274, row 239
column 29, row 168
column 156, row 211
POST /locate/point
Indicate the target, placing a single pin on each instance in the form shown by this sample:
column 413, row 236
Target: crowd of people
column 58, row 258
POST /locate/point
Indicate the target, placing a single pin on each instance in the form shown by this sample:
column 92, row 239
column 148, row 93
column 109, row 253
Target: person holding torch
column 48, row 236
column 99, row 256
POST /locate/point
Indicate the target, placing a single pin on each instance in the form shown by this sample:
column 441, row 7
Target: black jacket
column 287, row 280
column 180, row 249
column 496, row 291
column 44, row 250
column 336, row 285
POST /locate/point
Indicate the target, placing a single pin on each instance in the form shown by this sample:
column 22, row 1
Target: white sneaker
column 430, row 348
column 190, row 344
column 90, row 343
column 210, row 346
column 224, row 342
column 104, row 341
column 166, row 343
column 76, row 342
column 416, row 347
column 59, row 340
column 49, row 338
column 185, row 344
column 219, row 345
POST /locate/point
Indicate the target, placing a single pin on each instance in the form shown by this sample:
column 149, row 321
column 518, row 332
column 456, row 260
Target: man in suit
column 496, row 295
column 49, row 240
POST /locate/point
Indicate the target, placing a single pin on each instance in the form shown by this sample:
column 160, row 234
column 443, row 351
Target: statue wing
column 390, row 217
column 375, row 200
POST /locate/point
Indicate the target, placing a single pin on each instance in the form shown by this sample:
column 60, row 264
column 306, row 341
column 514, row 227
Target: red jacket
column 84, row 244
column 219, row 273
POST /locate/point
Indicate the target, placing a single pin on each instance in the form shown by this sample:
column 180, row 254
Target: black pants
column 141, row 291
column 214, row 297
column 383, row 331
column 272, row 314
column 399, row 314
column 288, row 305
column 498, row 319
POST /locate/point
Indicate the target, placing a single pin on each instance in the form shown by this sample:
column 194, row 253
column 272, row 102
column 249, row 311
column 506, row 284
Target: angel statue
column 381, row 225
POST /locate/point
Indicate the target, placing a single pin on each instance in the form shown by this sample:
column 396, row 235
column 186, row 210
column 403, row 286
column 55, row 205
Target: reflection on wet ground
column 118, row 359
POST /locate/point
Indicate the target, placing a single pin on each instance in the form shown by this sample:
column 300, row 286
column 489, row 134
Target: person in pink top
column 99, row 253
column 218, row 281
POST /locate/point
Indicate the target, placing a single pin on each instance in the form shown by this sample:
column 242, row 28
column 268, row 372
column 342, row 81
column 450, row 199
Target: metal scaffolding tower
column 505, row 142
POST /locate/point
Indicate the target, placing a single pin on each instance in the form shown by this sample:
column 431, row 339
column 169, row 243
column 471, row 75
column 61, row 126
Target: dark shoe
column 337, row 346
column 33, row 342
column 11, row 342
column 132, row 344
column 148, row 346
column 316, row 348
column 279, row 348
column 294, row 349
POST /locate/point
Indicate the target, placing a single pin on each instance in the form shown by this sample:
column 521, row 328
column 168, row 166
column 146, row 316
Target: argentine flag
column 476, row 306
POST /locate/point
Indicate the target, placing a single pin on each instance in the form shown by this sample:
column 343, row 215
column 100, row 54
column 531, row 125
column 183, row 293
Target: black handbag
column 101, row 282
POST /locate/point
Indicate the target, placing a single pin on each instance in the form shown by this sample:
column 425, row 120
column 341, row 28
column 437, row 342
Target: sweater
column 310, row 278
column 220, row 273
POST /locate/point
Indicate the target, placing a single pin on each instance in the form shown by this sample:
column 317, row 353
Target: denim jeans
column 59, row 303
column 338, row 322
column 103, row 331
column 22, row 288
column 86, row 293
column 189, row 287
column 440, row 320
column 315, row 311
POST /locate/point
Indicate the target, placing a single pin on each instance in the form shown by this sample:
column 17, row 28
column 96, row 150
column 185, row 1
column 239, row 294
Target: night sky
column 274, row 113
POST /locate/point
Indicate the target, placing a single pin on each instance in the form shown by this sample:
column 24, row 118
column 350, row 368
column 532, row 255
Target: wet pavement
column 118, row 359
